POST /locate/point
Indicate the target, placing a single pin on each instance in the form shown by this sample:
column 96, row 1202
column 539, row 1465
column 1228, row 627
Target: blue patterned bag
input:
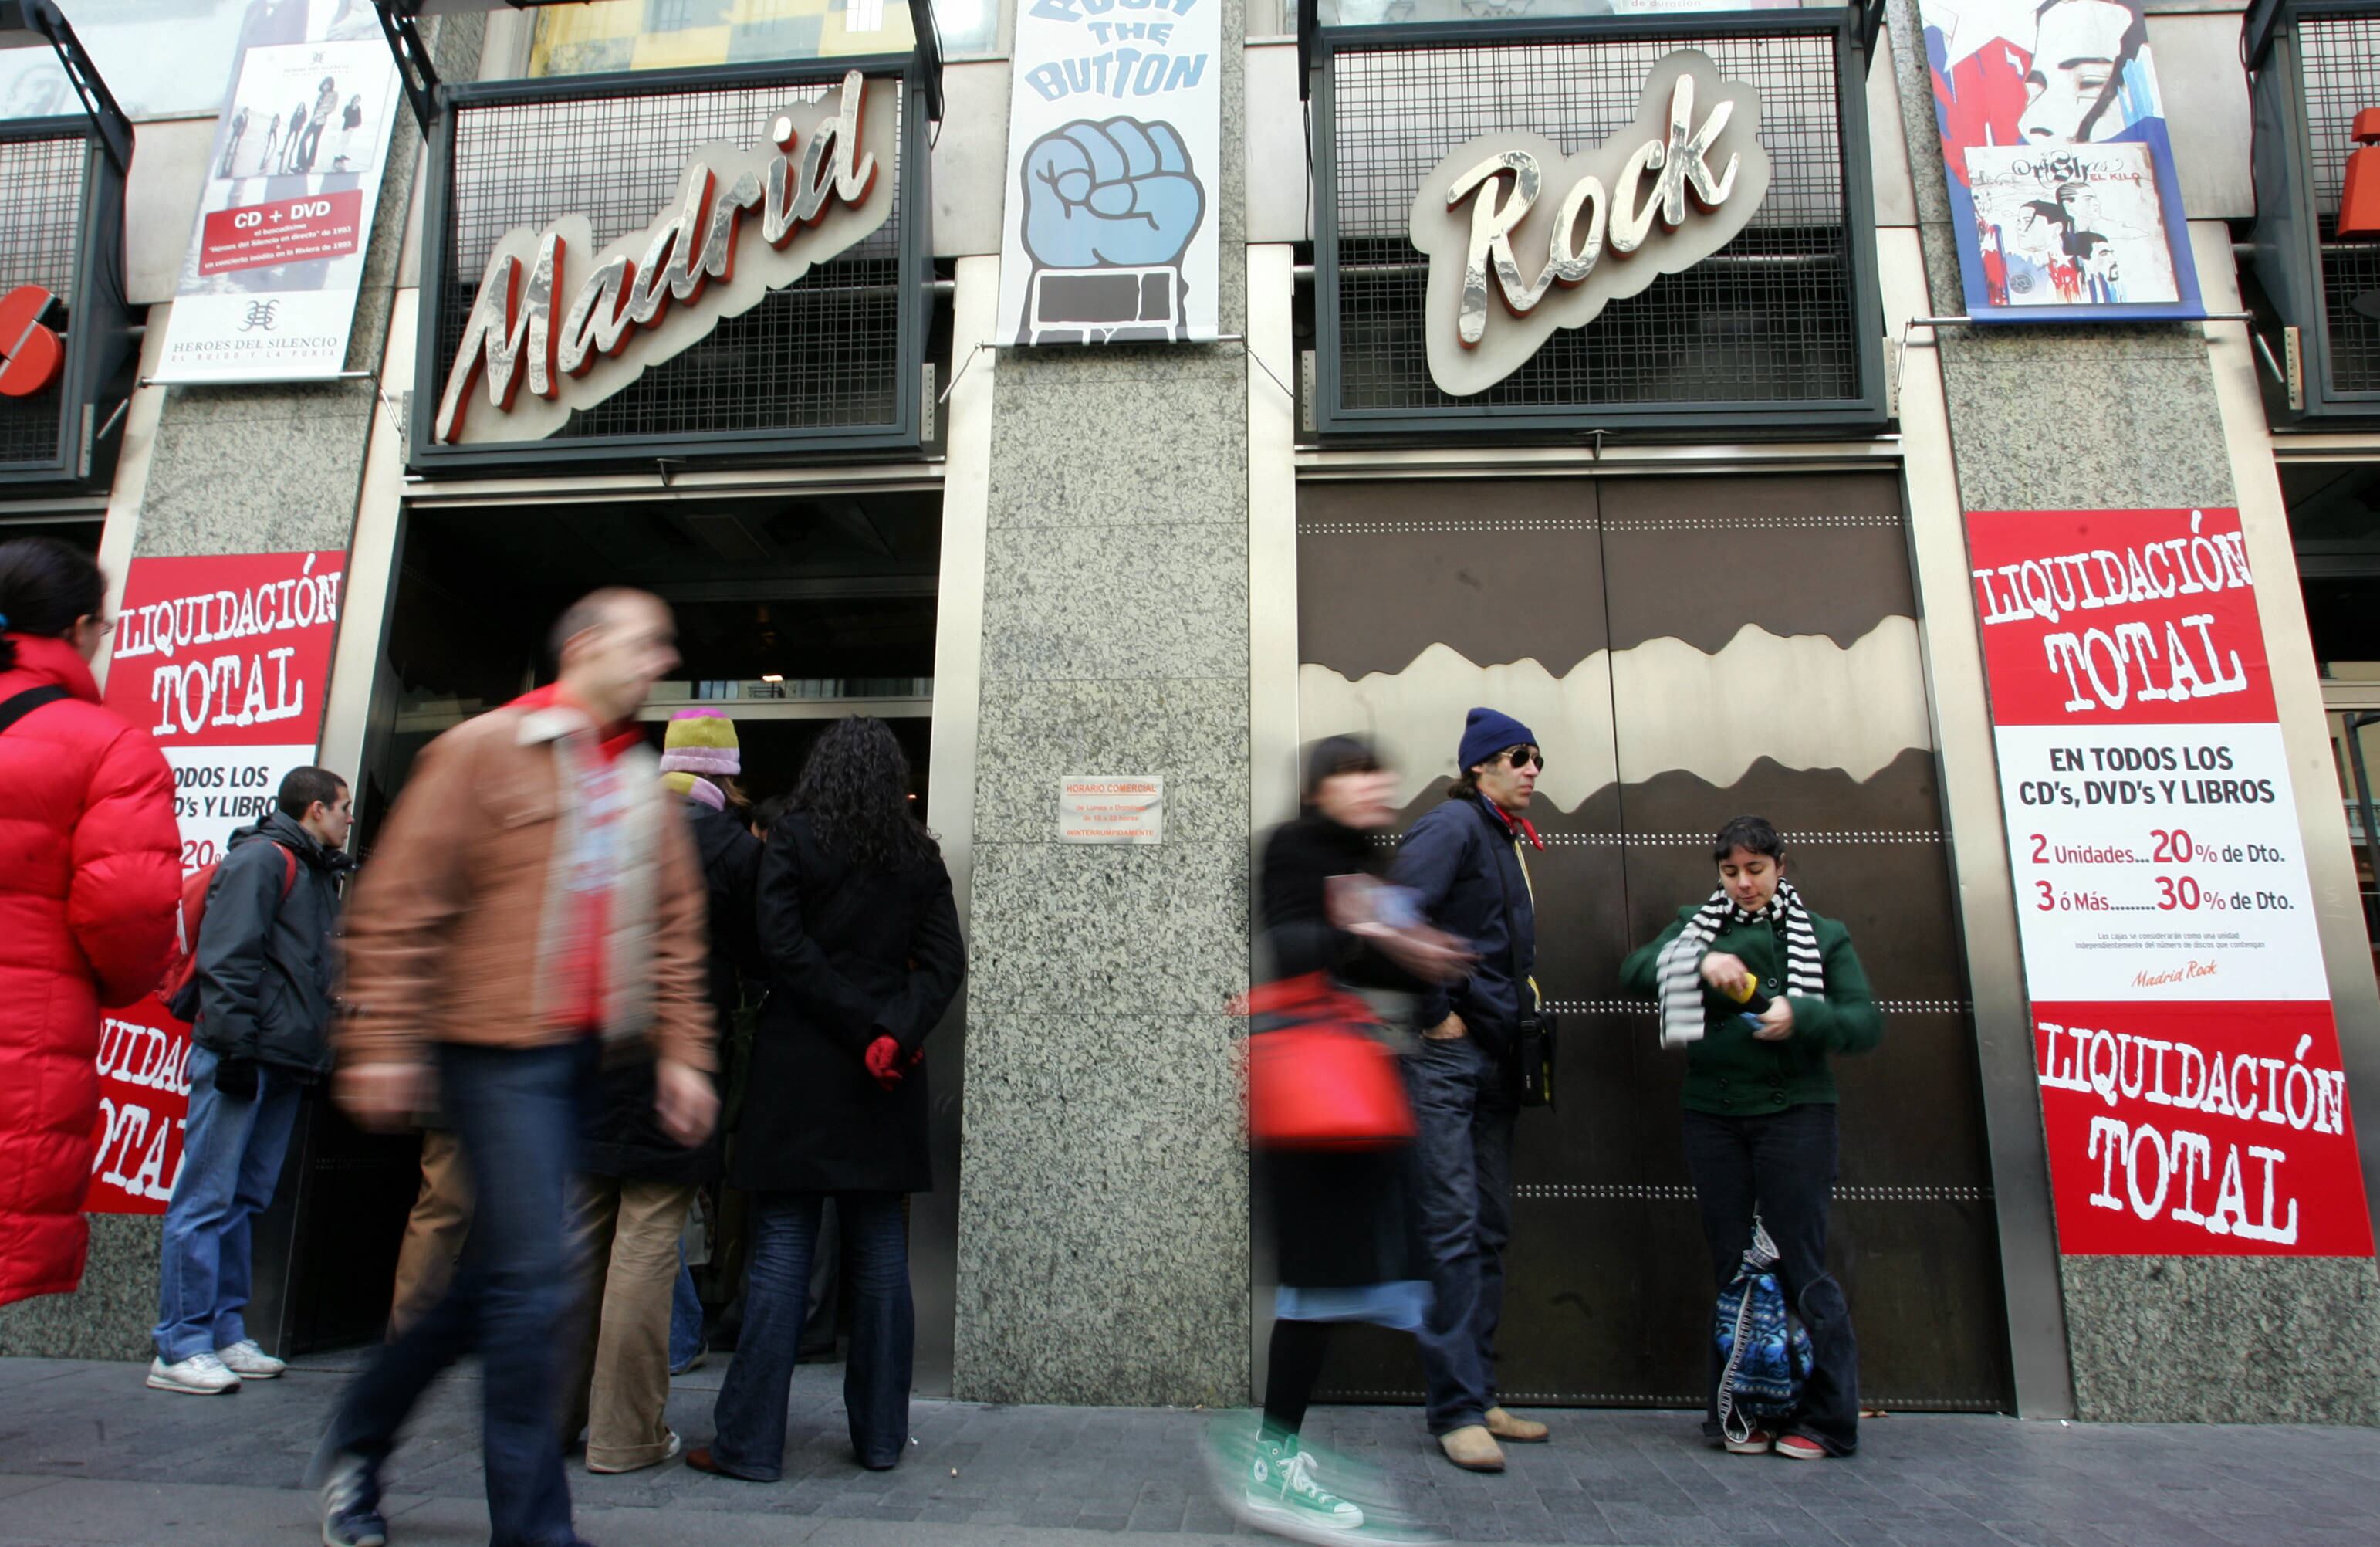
column 1764, row 1354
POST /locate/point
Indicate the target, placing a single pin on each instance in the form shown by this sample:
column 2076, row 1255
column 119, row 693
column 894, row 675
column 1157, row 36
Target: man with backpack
column 259, row 977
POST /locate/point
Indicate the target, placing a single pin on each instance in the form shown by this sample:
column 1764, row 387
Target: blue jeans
column 231, row 1150
column 519, row 1112
column 1464, row 1107
column 1783, row 1164
column 750, row 1414
column 686, row 1316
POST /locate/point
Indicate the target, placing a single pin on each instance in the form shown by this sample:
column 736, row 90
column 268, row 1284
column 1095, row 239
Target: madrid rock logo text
column 575, row 324
column 1557, row 238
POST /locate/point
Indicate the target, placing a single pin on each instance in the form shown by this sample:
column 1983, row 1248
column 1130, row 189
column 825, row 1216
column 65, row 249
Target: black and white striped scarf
column 1680, row 964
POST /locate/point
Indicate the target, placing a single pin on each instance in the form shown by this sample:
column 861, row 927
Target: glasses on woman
column 1522, row 757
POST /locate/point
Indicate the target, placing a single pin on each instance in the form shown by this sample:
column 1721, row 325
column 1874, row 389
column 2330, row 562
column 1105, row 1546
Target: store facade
column 1692, row 504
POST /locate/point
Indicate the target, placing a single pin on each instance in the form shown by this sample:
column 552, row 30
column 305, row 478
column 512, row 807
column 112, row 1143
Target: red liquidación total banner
column 2188, row 1060
column 224, row 661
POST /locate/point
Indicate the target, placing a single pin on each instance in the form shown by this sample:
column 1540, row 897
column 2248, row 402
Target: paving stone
column 225, row 1471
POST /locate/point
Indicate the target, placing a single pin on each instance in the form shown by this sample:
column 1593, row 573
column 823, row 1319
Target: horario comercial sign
column 224, row 661
column 2191, row 1083
column 559, row 324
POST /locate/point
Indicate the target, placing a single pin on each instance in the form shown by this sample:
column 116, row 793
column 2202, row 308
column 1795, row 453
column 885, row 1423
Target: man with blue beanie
column 1466, row 865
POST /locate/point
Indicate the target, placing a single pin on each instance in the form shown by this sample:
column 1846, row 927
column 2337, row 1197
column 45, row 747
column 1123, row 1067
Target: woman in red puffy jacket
column 90, row 877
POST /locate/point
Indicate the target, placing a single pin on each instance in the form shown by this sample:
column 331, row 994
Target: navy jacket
column 1460, row 862
column 267, row 962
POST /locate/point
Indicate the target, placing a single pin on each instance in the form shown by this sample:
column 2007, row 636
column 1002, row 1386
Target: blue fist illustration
column 1120, row 194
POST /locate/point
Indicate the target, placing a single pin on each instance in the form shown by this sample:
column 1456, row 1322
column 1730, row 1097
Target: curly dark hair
column 855, row 790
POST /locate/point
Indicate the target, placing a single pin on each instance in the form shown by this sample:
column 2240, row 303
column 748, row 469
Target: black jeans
column 519, row 1113
column 1783, row 1164
column 1464, row 1106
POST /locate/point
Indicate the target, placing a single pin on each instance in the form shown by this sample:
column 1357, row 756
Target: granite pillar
column 242, row 470
column 2126, row 417
column 1103, row 1214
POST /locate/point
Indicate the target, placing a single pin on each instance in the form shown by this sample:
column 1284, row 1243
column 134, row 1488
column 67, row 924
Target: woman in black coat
column 1346, row 1230
column 863, row 956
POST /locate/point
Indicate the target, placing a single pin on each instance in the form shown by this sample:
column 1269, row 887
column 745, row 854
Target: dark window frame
column 2288, row 242
column 99, row 344
column 902, row 438
column 1862, row 413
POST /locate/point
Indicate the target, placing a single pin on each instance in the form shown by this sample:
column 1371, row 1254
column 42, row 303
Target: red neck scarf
column 1512, row 825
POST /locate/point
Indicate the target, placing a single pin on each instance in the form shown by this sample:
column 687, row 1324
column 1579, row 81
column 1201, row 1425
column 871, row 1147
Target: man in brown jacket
column 533, row 904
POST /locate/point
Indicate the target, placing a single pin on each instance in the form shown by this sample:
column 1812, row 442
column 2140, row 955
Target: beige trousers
column 624, row 1236
column 434, row 1232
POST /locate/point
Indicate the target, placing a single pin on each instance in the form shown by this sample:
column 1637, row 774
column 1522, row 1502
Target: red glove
column 883, row 1060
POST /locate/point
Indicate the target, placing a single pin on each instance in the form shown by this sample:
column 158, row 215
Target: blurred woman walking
column 862, row 943
column 1344, row 1218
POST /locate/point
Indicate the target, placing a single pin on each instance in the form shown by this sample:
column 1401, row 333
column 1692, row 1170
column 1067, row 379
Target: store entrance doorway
column 792, row 610
column 1687, row 650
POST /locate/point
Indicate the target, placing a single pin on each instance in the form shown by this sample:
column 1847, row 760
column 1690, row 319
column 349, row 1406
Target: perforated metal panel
column 2340, row 67
column 1771, row 320
column 42, row 181
column 822, row 354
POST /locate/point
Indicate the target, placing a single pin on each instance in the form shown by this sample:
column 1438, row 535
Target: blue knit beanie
column 1488, row 732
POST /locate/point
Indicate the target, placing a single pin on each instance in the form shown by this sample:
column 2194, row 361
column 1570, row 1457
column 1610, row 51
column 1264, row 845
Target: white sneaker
column 250, row 1362
column 200, row 1375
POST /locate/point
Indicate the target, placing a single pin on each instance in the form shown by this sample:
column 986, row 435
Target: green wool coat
column 1730, row 1072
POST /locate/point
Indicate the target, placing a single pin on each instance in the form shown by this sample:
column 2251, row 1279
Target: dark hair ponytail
column 45, row 585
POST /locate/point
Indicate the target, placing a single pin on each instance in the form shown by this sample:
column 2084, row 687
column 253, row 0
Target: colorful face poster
column 2192, row 1089
column 1114, row 166
column 226, row 660
column 2063, row 194
column 267, row 292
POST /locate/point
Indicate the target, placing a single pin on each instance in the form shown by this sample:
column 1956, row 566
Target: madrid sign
column 573, row 330
column 1557, row 238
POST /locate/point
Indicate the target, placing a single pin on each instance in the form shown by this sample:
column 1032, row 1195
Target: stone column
column 2126, row 417
column 1103, row 1216
column 243, row 470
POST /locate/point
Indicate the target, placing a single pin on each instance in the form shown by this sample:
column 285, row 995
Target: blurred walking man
column 1464, row 864
column 534, row 897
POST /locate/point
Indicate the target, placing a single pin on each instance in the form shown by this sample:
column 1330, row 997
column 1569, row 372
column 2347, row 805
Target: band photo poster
column 2063, row 193
column 267, row 291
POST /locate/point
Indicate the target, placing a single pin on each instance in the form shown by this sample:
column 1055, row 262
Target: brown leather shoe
column 1514, row 1430
column 1471, row 1448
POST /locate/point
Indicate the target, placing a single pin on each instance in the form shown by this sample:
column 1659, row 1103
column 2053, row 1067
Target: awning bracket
column 114, row 128
column 412, row 57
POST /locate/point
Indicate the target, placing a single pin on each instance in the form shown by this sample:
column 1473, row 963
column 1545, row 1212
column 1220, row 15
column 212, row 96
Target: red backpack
column 180, row 989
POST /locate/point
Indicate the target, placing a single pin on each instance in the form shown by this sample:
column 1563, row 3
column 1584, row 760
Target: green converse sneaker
column 1281, row 1495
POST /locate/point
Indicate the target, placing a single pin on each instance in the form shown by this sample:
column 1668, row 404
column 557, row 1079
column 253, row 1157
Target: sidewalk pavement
column 90, row 1456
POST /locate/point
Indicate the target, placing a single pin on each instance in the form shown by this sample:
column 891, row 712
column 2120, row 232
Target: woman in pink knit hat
column 632, row 1201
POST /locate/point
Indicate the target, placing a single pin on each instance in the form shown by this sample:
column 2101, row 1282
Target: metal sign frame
column 903, row 436
column 96, row 379
column 2289, row 227
column 1865, row 413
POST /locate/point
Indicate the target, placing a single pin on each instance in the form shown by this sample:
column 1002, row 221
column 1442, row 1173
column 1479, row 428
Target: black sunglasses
column 1521, row 756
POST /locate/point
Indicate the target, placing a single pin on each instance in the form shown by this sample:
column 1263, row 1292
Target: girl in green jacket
column 1760, row 1131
